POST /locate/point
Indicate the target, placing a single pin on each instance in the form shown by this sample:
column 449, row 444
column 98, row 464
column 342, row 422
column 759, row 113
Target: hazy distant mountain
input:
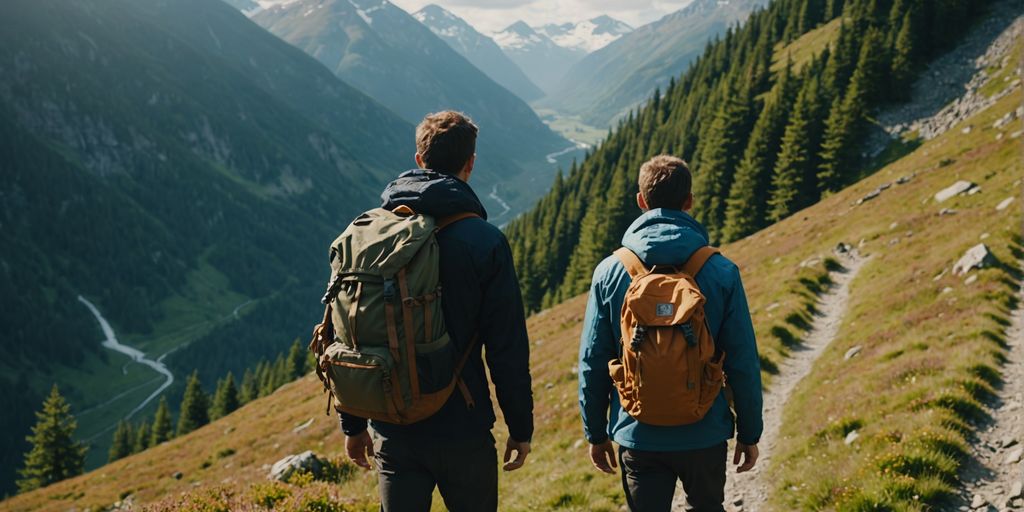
column 479, row 49
column 588, row 36
column 385, row 52
column 610, row 81
column 543, row 60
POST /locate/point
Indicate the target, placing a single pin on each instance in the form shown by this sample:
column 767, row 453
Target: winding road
column 135, row 354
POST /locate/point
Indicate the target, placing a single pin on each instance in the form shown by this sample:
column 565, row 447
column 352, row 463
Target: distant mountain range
column 608, row 82
column 547, row 53
column 478, row 49
column 389, row 55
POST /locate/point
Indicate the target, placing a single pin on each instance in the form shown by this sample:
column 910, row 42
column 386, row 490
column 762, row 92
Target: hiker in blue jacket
column 453, row 450
column 652, row 457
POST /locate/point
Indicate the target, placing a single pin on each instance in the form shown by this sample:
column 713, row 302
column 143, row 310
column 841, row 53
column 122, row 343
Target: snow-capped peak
column 445, row 24
column 517, row 36
column 587, row 36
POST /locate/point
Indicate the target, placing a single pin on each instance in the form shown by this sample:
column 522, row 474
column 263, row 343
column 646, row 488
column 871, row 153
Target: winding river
column 135, row 354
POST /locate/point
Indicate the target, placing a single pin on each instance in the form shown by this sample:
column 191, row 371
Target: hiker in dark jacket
column 653, row 458
column 454, row 449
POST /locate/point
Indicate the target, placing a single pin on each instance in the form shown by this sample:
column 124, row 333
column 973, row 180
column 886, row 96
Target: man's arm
column 358, row 444
column 742, row 365
column 597, row 347
column 503, row 331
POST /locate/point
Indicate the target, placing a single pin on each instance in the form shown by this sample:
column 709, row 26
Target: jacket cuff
column 352, row 425
column 597, row 439
column 748, row 440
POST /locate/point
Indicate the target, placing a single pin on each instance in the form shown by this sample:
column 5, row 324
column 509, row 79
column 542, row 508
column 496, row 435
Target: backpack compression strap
column 699, row 258
column 632, row 262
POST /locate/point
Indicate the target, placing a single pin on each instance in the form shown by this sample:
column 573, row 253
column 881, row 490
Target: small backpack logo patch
column 664, row 309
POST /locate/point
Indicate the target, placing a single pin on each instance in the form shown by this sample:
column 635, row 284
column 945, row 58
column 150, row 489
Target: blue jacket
column 481, row 295
column 669, row 237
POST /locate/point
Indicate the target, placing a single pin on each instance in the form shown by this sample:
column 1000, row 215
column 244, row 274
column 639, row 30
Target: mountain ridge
column 479, row 49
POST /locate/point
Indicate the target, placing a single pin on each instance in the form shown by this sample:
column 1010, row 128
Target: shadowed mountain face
column 617, row 77
column 163, row 158
column 478, row 49
column 389, row 55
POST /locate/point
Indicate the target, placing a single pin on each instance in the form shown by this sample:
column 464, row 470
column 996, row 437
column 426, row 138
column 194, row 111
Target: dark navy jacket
column 669, row 237
column 481, row 295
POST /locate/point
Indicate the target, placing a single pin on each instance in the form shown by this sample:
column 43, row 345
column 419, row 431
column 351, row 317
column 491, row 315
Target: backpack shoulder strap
column 632, row 262
column 698, row 259
column 444, row 222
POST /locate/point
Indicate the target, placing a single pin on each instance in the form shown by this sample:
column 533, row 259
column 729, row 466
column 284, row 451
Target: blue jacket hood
column 432, row 193
column 665, row 237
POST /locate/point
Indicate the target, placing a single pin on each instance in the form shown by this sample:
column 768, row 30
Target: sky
column 493, row 15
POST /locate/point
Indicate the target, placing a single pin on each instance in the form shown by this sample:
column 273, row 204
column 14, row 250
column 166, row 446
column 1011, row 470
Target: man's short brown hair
column 665, row 182
column 445, row 141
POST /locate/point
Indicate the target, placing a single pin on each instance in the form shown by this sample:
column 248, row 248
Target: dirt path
column 747, row 492
column 994, row 477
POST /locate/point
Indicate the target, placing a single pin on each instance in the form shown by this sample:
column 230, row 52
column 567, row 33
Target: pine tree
column 721, row 150
column 794, row 185
column 747, row 203
column 250, row 387
column 225, row 400
column 839, row 157
column 55, row 455
column 161, row 424
column 195, row 406
column 142, row 437
column 298, row 361
column 122, row 444
column 904, row 51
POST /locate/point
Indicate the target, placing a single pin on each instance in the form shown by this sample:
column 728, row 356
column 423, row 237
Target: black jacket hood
column 432, row 193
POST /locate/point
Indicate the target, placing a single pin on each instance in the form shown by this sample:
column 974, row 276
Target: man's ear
column 419, row 161
column 467, row 170
column 688, row 203
column 641, row 202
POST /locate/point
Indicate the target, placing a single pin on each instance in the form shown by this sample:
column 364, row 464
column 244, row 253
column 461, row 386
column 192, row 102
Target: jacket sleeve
column 742, row 365
column 351, row 425
column 597, row 347
column 503, row 332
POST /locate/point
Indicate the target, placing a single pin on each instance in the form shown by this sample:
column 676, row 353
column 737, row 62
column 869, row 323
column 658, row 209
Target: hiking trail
column 749, row 491
column 994, row 475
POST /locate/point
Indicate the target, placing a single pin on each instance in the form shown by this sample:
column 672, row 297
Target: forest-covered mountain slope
column 388, row 54
column 609, row 82
column 170, row 162
column 928, row 350
column 763, row 140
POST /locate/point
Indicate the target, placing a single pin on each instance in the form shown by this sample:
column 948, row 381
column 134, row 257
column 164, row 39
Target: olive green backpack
column 382, row 350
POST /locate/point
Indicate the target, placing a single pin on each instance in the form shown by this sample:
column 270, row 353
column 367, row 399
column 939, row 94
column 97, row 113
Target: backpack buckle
column 638, row 338
column 691, row 337
column 332, row 289
column 389, row 289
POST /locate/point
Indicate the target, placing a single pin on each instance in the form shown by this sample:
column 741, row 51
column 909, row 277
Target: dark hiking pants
column 465, row 471
column 649, row 478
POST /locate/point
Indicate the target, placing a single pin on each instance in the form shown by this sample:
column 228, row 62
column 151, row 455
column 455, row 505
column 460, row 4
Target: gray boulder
column 976, row 257
column 306, row 461
column 960, row 187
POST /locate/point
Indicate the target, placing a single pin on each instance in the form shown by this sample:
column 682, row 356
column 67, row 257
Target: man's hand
column 359, row 447
column 521, row 449
column 749, row 453
column 603, row 456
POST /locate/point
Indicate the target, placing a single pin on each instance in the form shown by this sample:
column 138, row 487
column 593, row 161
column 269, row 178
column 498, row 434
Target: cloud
column 494, row 15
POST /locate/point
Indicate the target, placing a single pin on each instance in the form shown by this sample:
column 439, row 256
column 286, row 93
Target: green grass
column 800, row 51
column 1003, row 75
column 571, row 127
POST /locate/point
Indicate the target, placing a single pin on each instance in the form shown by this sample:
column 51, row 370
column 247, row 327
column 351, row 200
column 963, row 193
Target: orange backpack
column 670, row 370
